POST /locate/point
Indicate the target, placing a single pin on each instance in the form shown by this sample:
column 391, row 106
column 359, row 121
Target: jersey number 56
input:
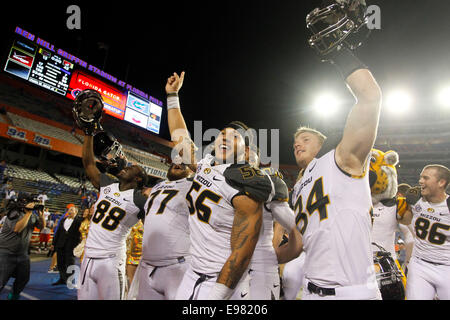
column 203, row 211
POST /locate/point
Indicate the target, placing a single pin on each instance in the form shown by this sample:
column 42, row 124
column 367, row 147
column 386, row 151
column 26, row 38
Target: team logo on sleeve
column 418, row 208
column 430, row 210
column 107, row 190
column 116, row 194
column 207, row 171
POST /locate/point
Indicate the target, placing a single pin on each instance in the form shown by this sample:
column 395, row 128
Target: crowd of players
column 220, row 227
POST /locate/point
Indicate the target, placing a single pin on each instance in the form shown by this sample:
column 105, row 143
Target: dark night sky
column 244, row 60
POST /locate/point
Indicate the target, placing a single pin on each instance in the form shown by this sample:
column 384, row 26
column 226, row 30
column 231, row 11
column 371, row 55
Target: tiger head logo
column 383, row 174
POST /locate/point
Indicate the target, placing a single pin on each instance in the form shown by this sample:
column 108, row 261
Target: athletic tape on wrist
column 173, row 102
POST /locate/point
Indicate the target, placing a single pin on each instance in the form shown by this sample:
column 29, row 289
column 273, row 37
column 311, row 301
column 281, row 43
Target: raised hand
column 174, row 83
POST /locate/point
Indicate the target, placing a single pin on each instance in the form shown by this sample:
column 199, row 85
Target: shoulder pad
column 389, row 202
column 249, row 180
column 281, row 189
column 107, row 179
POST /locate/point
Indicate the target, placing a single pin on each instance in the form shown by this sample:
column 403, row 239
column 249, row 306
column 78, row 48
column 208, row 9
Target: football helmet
column 337, row 23
column 87, row 111
column 389, row 277
column 109, row 151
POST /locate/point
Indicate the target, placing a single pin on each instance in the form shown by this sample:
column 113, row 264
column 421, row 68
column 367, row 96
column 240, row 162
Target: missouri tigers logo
column 383, row 174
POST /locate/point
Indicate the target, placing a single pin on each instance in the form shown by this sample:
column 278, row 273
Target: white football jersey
column 115, row 213
column 264, row 257
column 385, row 222
column 333, row 213
column 166, row 227
column 212, row 214
column 431, row 223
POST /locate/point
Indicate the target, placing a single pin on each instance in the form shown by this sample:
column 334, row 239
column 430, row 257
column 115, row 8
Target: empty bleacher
column 61, row 192
column 42, row 128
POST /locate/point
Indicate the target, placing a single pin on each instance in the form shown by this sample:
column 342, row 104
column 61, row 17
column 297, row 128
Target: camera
column 38, row 207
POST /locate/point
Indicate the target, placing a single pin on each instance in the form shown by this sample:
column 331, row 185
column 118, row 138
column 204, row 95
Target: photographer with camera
column 23, row 215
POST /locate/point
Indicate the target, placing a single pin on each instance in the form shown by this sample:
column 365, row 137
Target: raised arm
column 362, row 123
column 177, row 126
column 244, row 236
column 88, row 158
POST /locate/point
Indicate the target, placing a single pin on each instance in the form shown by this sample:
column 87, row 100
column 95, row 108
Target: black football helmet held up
column 109, row 151
column 87, row 111
column 337, row 23
column 389, row 277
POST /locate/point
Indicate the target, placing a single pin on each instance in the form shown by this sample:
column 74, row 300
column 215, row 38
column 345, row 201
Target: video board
column 41, row 63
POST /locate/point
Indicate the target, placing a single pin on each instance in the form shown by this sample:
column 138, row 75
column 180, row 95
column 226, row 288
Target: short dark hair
column 143, row 175
column 443, row 173
column 239, row 125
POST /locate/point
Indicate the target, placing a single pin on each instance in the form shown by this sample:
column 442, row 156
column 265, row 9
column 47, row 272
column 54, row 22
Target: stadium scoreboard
column 39, row 62
column 51, row 72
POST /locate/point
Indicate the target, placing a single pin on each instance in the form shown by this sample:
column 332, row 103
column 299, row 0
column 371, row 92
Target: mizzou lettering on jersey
column 115, row 212
column 332, row 212
column 431, row 223
column 210, row 203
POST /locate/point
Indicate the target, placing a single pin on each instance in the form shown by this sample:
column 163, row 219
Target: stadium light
column 326, row 104
column 399, row 102
column 444, row 97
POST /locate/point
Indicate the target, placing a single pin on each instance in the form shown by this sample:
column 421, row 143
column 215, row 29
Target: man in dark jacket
column 23, row 215
column 66, row 238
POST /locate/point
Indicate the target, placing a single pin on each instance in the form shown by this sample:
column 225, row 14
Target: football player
column 332, row 200
column 225, row 206
column 264, row 270
column 165, row 246
column 119, row 207
column 429, row 267
column 166, row 240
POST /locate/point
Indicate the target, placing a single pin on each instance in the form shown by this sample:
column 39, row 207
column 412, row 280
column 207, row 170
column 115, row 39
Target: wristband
column 346, row 62
column 173, row 102
column 220, row 292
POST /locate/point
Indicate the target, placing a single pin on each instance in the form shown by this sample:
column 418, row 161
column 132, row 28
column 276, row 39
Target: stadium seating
column 42, row 128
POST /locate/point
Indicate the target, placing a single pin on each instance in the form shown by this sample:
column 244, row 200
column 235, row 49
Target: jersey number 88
column 111, row 218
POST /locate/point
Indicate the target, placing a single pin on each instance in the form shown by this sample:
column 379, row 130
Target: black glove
column 413, row 195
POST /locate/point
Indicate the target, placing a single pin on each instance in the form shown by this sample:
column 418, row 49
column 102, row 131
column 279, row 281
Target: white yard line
column 23, row 294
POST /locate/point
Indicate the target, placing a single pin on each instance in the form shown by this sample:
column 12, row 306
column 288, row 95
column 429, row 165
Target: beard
column 173, row 175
